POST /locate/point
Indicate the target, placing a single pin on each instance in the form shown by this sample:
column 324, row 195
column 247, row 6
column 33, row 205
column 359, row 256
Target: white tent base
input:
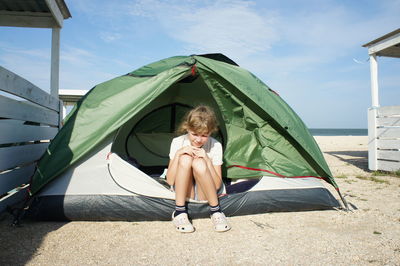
column 104, row 187
column 143, row 208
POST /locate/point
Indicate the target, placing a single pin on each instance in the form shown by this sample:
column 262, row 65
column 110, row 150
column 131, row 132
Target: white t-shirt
column 212, row 147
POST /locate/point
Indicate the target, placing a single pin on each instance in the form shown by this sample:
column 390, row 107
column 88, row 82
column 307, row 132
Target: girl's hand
column 186, row 150
column 199, row 153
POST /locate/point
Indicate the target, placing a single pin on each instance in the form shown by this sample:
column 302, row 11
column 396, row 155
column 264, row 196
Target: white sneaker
column 182, row 223
column 220, row 223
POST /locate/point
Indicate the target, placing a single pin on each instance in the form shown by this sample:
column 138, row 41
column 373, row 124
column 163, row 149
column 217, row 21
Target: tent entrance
column 145, row 140
column 147, row 144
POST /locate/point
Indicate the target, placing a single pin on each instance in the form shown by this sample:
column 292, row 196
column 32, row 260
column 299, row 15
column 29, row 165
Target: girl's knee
column 185, row 160
column 199, row 165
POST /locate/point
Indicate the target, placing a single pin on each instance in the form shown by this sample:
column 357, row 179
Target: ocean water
column 339, row 131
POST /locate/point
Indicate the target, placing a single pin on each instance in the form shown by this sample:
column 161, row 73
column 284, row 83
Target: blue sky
column 309, row 51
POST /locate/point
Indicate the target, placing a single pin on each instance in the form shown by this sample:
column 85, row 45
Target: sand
column 369, row 234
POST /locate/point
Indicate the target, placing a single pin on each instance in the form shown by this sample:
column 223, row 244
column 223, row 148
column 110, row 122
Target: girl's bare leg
column 183, row 180
column 202, row 175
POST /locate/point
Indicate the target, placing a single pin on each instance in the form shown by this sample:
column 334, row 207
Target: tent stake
column 346, row 206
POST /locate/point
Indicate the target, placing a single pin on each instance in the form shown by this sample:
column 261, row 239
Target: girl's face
column 197, row 139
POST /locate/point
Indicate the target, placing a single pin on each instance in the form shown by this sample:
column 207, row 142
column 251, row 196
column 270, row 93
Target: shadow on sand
column 357, row 158
column 18, row 245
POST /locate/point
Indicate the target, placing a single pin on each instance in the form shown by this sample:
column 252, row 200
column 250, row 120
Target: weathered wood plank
column 12, row 199
column 12, row 179
column 34, row 20
column 388, row 166
column 15, row 131
column 389, row 111
column 55, row 11
column 388, row 121
column 18, row 155
column 389, row 155
column 16, row 85
column 388, row 144
column 388, row 133
column 13, row 109
column 384, row 44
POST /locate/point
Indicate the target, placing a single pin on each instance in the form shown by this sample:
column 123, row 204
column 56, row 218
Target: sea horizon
column 339, row 131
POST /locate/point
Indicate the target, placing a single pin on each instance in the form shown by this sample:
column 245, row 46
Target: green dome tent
column 132, row 119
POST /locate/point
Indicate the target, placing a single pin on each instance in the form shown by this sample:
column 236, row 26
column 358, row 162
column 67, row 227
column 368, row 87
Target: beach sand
column 369, row 234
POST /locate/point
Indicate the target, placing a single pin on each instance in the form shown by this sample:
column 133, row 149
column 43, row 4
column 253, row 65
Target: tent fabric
column 142, row 208
column 105, row 187
column 237, row 90
column 261, row 130
column 104, row 109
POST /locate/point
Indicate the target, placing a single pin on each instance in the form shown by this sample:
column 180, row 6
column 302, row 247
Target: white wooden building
column 29, row 116
column 383, row 121
column 70, row 98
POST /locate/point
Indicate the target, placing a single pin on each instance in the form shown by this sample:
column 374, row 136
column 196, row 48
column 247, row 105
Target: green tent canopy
column 261, row 134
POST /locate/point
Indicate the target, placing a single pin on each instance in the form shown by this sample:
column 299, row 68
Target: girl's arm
column 216, row 173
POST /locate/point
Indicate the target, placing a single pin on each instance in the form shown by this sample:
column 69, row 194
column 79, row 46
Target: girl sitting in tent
column 194, row 169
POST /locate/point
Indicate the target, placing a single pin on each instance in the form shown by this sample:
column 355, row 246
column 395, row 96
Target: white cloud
column 234, row 30
column 81, row 69
column 292, row 45
column 336, row 29
column 247, row 30
column 230, row 27
column 77, row 56
column 110, row 36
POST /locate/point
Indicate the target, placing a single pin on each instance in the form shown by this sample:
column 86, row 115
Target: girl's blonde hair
column 200, row 120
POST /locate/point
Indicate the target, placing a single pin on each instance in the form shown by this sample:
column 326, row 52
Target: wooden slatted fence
column 29, row 119
column 384, row 138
